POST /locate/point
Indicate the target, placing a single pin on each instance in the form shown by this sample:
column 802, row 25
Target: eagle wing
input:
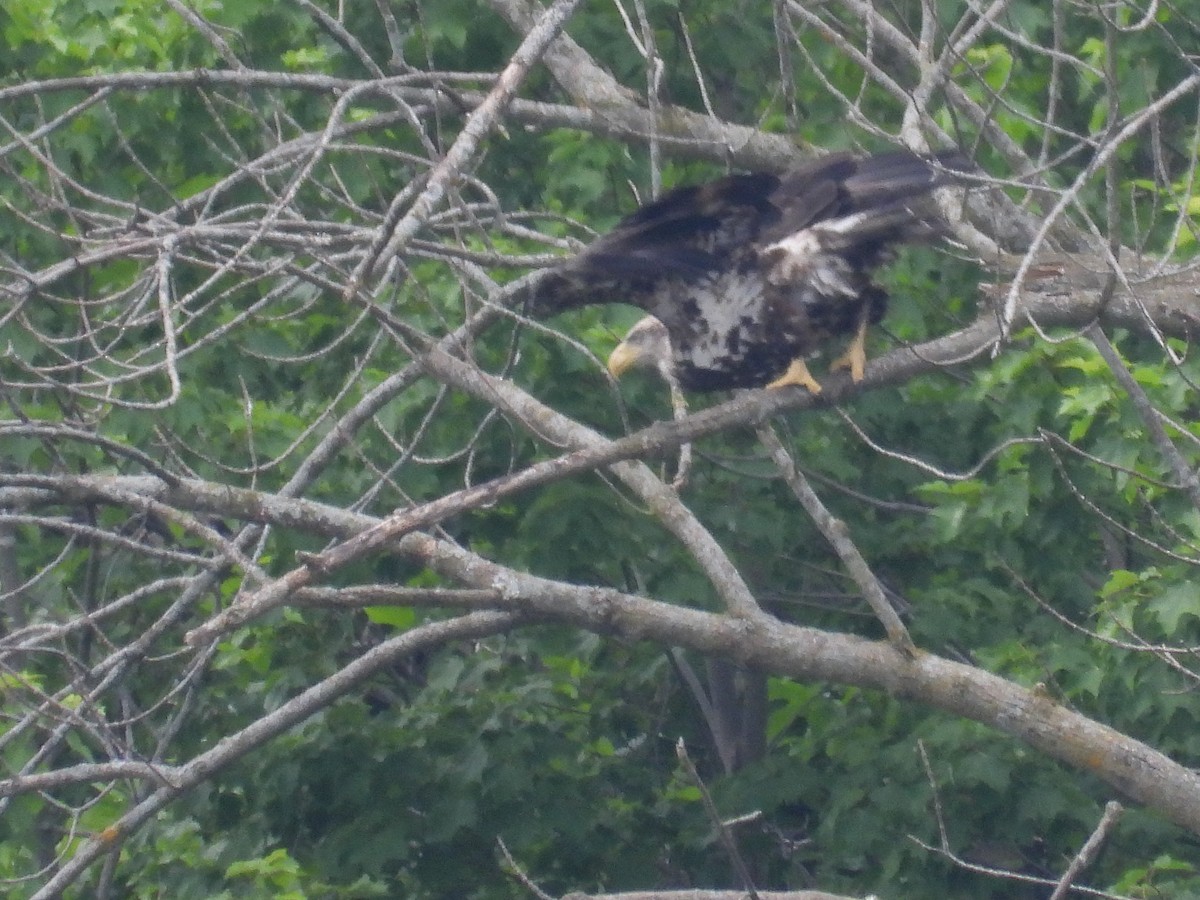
column 685, row 233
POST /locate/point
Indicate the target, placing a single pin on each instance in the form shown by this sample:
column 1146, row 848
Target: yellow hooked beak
column 623, row 358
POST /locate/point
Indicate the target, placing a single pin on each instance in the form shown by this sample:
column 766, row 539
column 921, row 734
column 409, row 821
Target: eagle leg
column 797, row 373
column 855, row 357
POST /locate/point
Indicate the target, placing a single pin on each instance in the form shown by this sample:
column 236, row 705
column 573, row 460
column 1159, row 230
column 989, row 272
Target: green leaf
column 399, row 617
column 1119, row 580
column 1173, row 603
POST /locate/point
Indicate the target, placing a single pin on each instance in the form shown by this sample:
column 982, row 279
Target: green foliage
column 95, row 36
column 1038, row 490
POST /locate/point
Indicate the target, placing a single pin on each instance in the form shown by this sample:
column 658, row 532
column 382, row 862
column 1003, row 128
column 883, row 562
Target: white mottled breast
column 731, row 303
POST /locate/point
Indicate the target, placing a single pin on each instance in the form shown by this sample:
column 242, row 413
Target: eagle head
column 646, row 346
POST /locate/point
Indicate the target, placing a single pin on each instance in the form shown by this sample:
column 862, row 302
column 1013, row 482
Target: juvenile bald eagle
column 745, row 276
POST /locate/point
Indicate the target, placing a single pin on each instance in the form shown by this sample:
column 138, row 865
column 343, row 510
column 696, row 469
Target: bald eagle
column 745, row 276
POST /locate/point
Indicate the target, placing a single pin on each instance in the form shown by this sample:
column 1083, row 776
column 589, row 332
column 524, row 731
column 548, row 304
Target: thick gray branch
column 757, row 641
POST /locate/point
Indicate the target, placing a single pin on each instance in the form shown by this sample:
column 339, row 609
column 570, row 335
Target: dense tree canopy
column 326, row 571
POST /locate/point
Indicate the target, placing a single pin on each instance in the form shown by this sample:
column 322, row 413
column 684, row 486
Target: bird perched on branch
column 746, row 276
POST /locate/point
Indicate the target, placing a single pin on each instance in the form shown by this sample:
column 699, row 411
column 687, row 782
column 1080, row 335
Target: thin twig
column 838, row 535
column 723, row 832
column 1091, row 848
column 519, row 874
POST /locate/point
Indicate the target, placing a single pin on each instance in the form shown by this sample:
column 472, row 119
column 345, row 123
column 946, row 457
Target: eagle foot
column 797, row 373
column 855, row 357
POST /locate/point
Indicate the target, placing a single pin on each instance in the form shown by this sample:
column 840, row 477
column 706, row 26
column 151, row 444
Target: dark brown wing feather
column 687, row 232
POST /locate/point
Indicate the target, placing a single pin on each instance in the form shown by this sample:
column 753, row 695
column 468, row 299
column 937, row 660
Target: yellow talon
column 855, row 357
column 797, row 373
